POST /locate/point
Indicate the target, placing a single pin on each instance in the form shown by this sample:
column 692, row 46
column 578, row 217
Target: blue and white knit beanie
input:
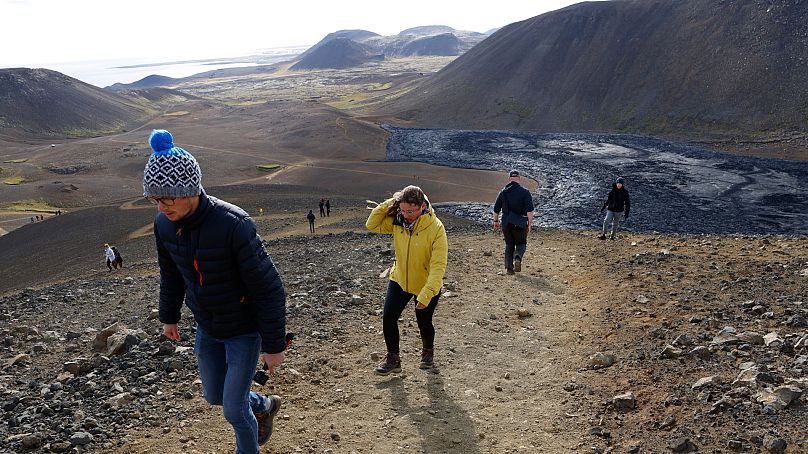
column 171, row 171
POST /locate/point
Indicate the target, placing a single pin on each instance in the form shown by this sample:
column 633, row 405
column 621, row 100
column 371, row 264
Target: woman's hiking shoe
column 602, row 237
column 265, row 419
column 517, row 264
column 427, row 358
column 391, row 363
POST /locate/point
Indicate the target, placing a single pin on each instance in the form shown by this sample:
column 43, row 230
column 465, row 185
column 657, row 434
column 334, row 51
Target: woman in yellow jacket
column 419, row 240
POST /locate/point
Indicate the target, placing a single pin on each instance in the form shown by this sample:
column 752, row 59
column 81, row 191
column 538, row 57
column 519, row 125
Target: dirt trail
column 499, row 385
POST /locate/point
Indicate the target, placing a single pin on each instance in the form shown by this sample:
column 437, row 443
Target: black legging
column 394, row 303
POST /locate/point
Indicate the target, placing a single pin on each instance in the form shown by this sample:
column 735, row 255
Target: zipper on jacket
column 407, row 273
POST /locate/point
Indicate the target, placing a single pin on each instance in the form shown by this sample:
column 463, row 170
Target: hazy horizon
column 52, row 31
column 106, row 72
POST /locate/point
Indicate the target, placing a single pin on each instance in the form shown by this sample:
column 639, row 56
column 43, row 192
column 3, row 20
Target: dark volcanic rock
column 674, row 187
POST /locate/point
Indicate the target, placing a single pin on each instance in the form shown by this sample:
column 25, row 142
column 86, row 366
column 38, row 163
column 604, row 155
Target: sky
column 38, row 32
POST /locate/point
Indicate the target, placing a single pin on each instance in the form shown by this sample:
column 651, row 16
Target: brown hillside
column 45, row 103
column 692, row 67
column 337, row 53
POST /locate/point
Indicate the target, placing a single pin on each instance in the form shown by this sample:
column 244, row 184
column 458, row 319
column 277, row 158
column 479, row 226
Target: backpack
column 117, row 254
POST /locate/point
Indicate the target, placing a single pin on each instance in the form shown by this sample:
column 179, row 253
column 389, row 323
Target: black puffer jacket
column 214, row 259
column 618, row 200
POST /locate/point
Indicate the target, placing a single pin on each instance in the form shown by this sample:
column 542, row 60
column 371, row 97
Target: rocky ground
column 650, row 343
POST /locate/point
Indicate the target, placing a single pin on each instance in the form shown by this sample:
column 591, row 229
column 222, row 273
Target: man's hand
column 496, row 225
column 419, row 306
column 171, row 331
column 273, row 360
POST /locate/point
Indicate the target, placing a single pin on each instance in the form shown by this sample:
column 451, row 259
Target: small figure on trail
column 516, row 204
column 421, row 249
column 310, row 217
column 32, row 219
column 322, row 208
column 327, row 207
column 617, row 202
column 260, row 212
column 109, row 255
column 211, row 258
column 117, row 262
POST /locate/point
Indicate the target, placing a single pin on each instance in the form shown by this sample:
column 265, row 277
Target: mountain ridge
column 655, row 67
column 45, row 103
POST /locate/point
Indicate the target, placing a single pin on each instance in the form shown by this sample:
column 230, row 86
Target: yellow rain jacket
column 420, row 255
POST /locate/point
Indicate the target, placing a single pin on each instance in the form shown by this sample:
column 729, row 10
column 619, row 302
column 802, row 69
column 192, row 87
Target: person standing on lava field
column 322, row 208
column 211, row 256
column 516, row 204
column 421, row 249
column 616, row 203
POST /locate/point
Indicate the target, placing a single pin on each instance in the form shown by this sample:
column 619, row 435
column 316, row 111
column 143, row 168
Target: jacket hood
column 510, row 186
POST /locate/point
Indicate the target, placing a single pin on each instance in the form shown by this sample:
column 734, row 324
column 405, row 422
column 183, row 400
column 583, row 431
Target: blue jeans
column 226, row 367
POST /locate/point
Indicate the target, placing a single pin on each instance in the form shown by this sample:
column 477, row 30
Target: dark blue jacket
column 618, row 200
column 214, row 259
column 515, row 203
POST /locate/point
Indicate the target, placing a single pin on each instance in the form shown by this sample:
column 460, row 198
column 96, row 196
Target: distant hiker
column 516, row 205
column 109, row 255
column 32, row 219
column 211, row 256
column 421, row 249
column 117, row 262
column 310, row 217
column 327, row 207
column 322, row 208
column 260, row 212
column 617, row 202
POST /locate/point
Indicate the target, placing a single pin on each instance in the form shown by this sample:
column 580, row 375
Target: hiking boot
column 602, row 237
column 517, row 264
column 391, row 363
column 611, row 237
column 509, row 271
column 265, row 419
column 427, row 355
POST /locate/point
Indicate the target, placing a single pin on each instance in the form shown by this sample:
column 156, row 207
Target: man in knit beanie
column 212, row 258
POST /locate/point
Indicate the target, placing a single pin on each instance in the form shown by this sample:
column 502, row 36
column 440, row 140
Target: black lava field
column 675, row 188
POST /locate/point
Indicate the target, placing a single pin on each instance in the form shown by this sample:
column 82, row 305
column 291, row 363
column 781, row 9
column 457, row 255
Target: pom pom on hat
column 161, row 140
column 170, row 171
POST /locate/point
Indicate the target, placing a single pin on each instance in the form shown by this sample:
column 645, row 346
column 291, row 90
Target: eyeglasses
column 167, row 201
column 411, row 212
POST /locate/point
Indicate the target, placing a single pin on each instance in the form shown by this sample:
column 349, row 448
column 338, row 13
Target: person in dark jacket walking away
column 310, row 217
column 327, row 207
column 322, row 208
column 617, row 202
column 211, row 257
column 117, row 263
column 516, row 205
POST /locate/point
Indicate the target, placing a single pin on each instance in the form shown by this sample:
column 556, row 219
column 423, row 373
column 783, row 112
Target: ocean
column 103, row 73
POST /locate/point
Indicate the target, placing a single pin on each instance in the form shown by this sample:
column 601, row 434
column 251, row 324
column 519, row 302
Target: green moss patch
column 15, row 161
column 14, row 180
column 30, row 205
